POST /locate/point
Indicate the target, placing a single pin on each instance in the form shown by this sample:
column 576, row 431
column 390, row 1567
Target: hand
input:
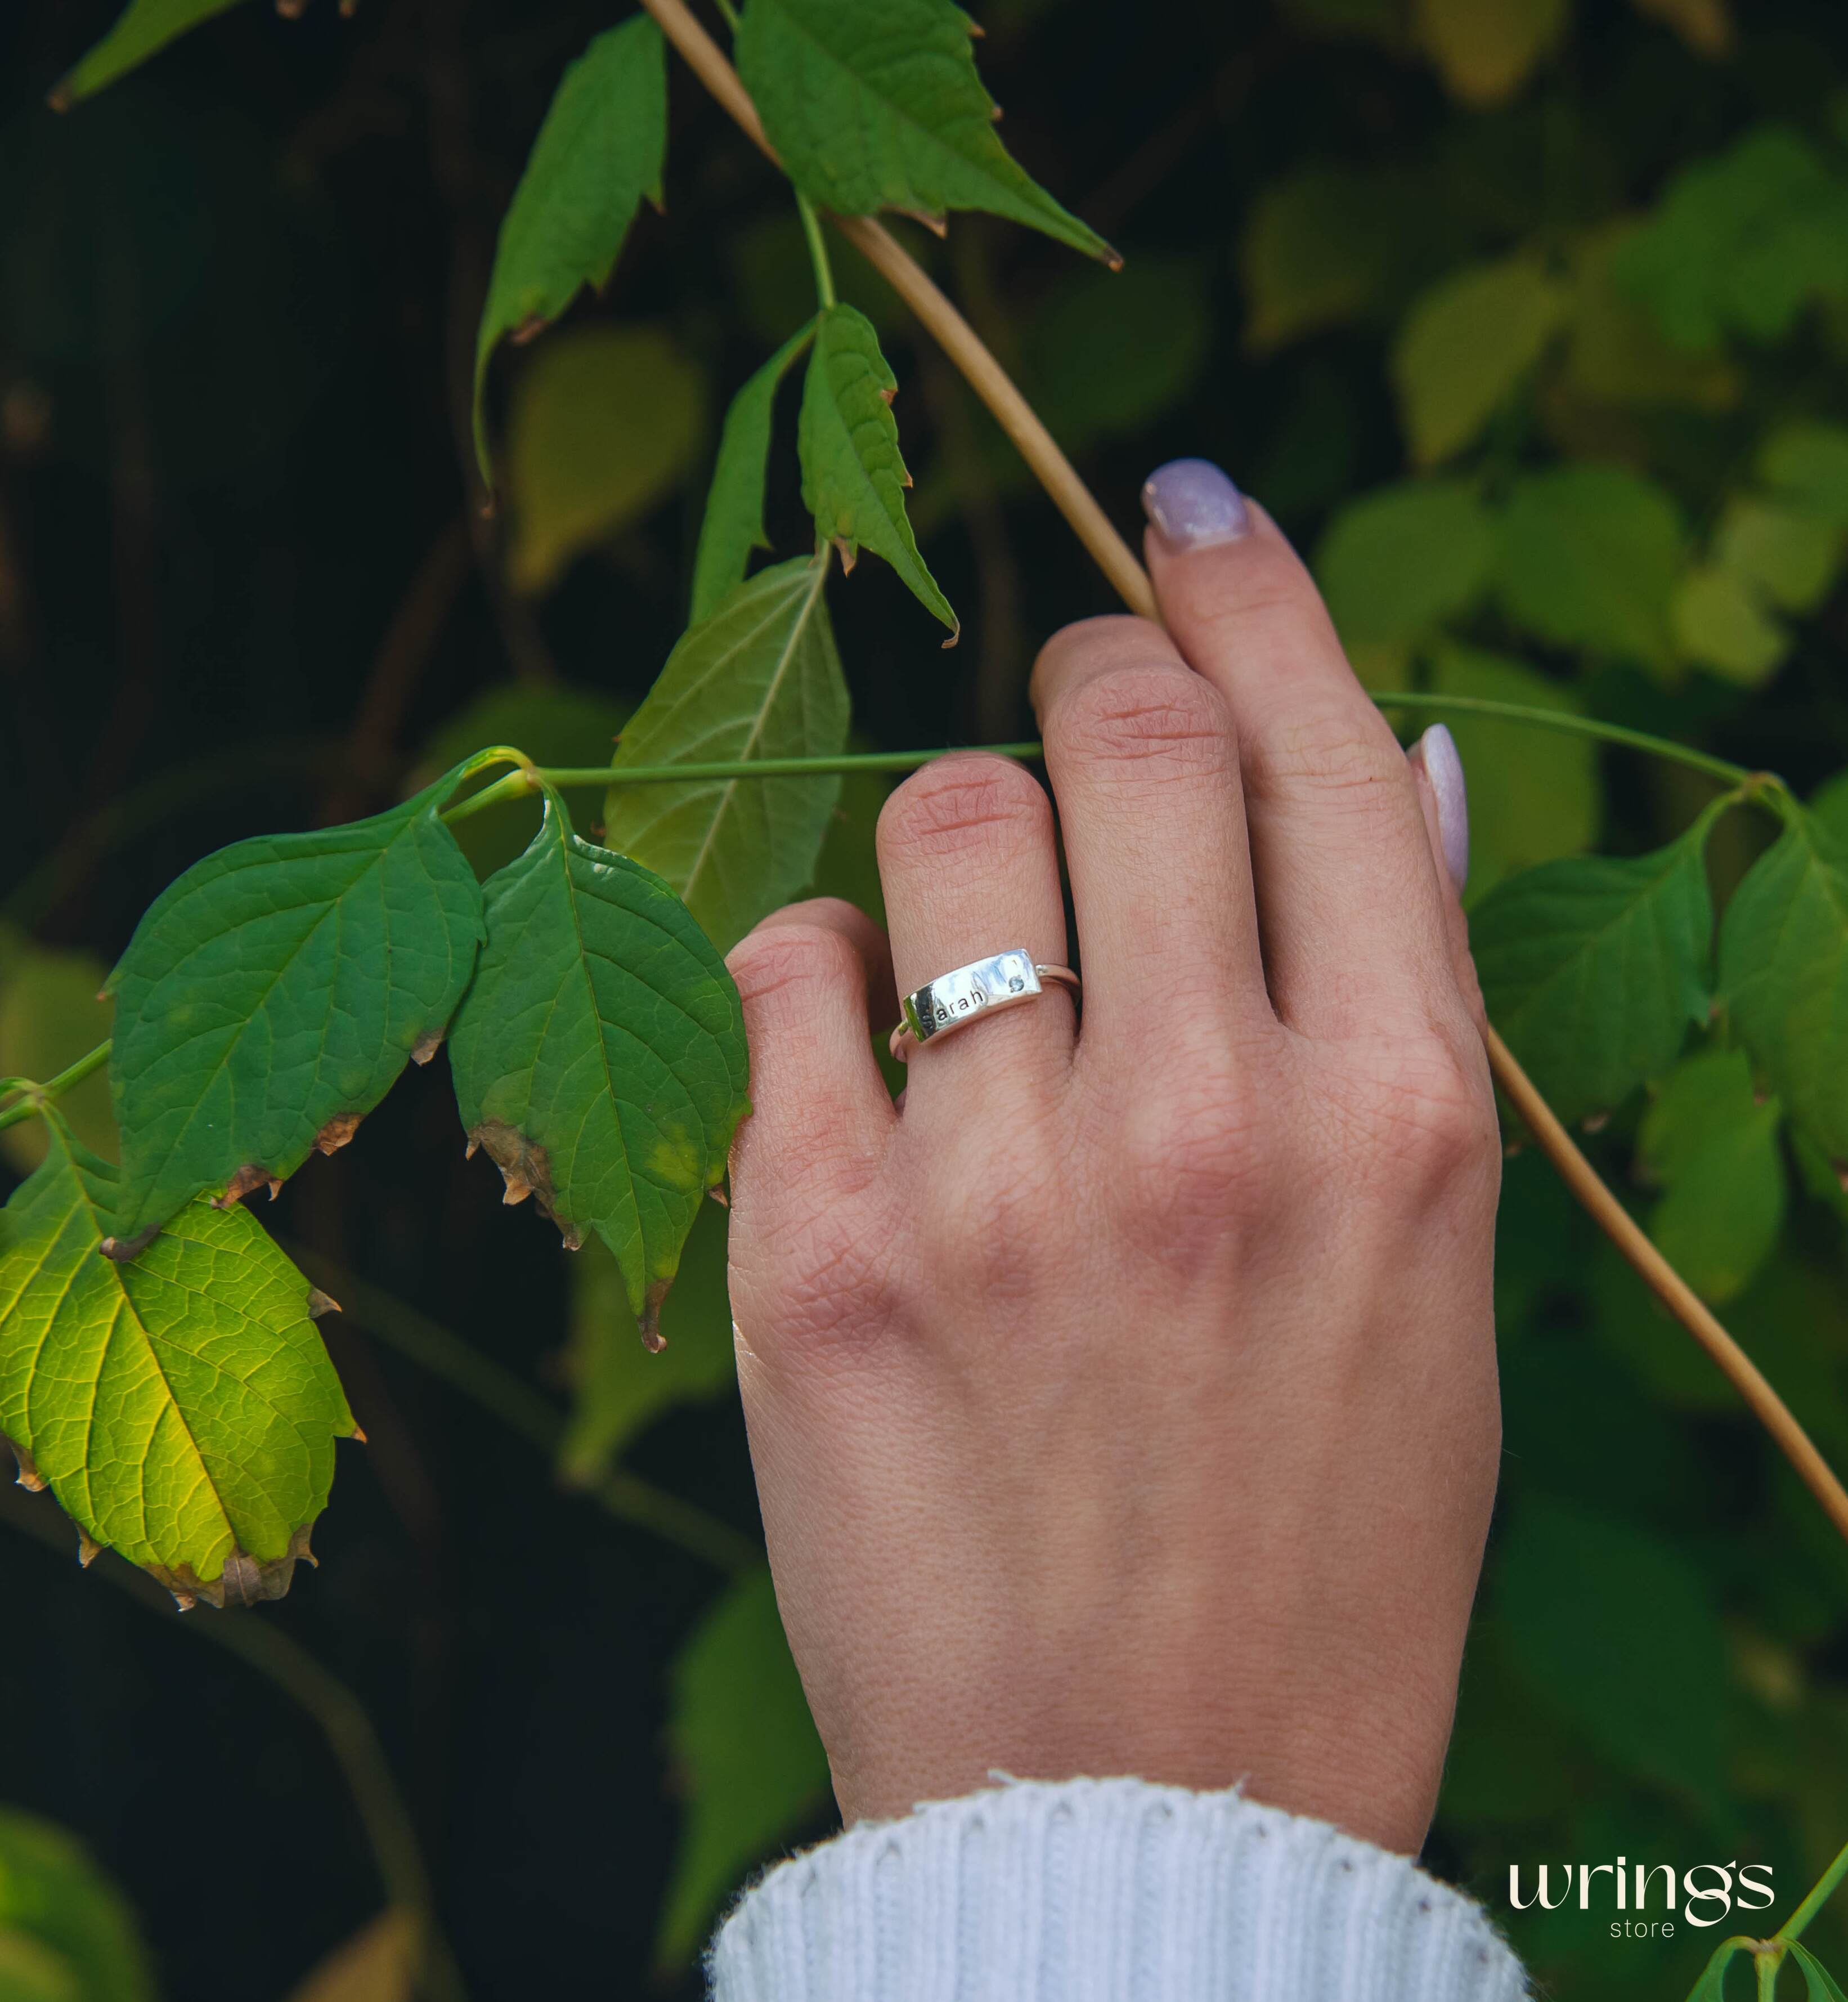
column 1123, row 1401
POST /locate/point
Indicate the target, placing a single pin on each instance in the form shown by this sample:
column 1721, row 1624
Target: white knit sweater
column 1106, row 1890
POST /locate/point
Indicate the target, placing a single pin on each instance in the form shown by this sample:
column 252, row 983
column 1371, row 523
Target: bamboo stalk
column 1118, row 563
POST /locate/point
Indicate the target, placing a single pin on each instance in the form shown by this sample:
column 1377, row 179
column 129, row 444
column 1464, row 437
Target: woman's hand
column 1123, row 1401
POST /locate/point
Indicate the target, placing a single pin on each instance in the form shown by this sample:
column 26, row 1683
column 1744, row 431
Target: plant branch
column 817, row 250
column 498, row 1390
column 1825, row 1887
column 954, row 333
column 36, row 1094
column 341, row 1717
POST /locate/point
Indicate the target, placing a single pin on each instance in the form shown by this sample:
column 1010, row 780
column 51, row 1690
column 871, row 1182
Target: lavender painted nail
column 1435, row 755
column 1192, row 505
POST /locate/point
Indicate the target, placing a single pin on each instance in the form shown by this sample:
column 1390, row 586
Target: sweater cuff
column 1106, row 1890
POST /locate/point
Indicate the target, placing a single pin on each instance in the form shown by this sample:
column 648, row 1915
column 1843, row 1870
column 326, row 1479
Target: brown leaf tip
column 250, row 1176
column 29, row 1476
column 426, row 1046
column 526, row 1169
column 89, row 1550
column 320, row 1303
column 335, row 1135
column 121, row 1250
column 245, row 1581
column 652, row 1340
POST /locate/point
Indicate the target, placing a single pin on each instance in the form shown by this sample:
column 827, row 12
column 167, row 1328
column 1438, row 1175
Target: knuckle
column 778, row 964
column 1153, row 714
column 1196, row 1161
column 1426, row 1117
column 1342, row 757
column 960, row 806
column 1113, row 636
column 812, row 1273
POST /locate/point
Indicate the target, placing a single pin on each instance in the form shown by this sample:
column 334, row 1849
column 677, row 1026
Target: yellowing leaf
column 746, row 1754
column 605, row 422
column 1533, row 793
column 49, row 1015
column 143, row 29
column 179, row 1405
column 872, row 107
column 853, row 475
column 599, row 153
column 1721, row 624
column 1466, row 345
column 379, row 1964
column 1486, row 49
column 1789, row 553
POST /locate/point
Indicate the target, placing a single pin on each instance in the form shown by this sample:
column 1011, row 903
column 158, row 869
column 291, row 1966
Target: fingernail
column 1192, row 505
column 1435, row 755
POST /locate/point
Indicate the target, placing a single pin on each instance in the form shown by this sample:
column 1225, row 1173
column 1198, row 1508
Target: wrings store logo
column 1648, row 1896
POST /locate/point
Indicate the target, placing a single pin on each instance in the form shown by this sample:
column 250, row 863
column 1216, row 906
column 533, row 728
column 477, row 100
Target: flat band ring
column 954, row 1000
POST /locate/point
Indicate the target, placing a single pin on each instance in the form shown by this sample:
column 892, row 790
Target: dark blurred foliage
column 246, row 583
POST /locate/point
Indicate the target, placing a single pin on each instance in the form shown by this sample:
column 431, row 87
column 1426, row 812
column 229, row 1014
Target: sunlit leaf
column 1720, row 622
column 881, row 107
column 618, row 1389
column 143, row 29
column 180, row 1406
column 1466, row 345
column 1784, row 975
column 1592, row 968
column 1787, row 552
column 1108, row 353
column 379, row 1963
column 1486, row 49
column 1533, row 793
column 599, row 153
column 53, row 1897
column 1806, row 465
column 759, row 678
column 733, row 524
column 1706, row 25
column 1741, row 243
column 605, row 421
column 1708, row 1142
column 1589, row 556
column 853, row 475
column 270, row 997
column 599, row 1055
column 751, row 1768
column 1318, row 251
column 1617, row 1631
column 1819, row 1983
column 1397, row 563
column 49, row 1016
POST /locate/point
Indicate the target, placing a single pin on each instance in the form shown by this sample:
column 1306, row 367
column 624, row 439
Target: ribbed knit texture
column 1106, row 1890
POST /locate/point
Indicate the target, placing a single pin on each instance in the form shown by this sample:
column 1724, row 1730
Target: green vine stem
column 1825, row 1888
column 817, row 250
column 390, row 1832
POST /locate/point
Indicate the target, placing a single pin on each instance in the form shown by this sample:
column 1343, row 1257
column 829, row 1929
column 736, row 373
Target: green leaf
column 1720, row 622
column 1323, row 247
column 853, row 477
column 1617, row 1631
column 53, row 1897
column 881, row 107
column 617, row 1388
column 143, row 29
column 605, row 422
column 1466, row 345
column 1589, row 556
column 1783, row 974
column 1615, row 352
column 49, row 1016
column 1108, row 353
column 30, row 1972
column 759, row 678
column 270, row 997
column 179, row 1405
column 1711, row 1986
column 1533, row 793
column 601, row 150
column 1820, row 1985
column 1713, row 1147
column 1593, row 968
column 1807, row 466
column 1485, row 49
column 733, row 525
column 1395, row 564
column 1789, row 553
column 751, row 1769
column 1741, row 243
column 599, row 1055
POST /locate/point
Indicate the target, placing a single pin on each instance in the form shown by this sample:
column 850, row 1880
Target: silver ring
column 954, row 1000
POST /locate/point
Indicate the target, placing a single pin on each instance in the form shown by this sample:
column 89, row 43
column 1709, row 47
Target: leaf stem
column 390, row 1832
column 36, row 1095
column 1825, row 1887
column 498, row 1391
column 817, row 250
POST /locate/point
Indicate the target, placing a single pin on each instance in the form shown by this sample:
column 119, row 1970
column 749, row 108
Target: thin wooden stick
column 1118, row 563
column 954, row 334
